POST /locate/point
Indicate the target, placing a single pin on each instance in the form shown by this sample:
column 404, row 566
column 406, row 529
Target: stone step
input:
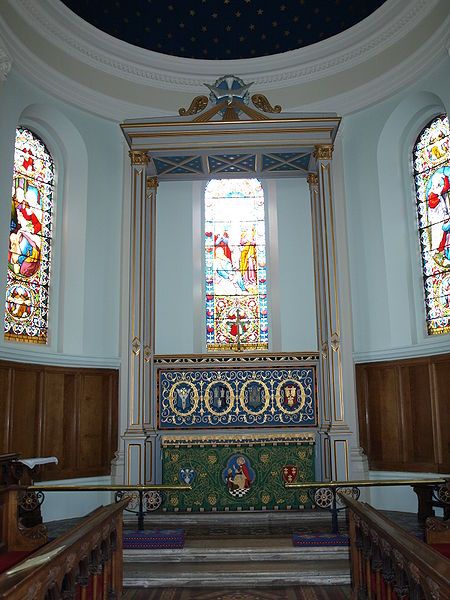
column 225, row 550
column 235, row 574
column 177, row 519
column 242, row 550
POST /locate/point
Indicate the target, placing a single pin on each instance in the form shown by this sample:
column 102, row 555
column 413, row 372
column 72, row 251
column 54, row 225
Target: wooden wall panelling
column 363, row 415
column 441, row 383
column 416, row 399
column 5, row 408
column 384, row 416
column 59, row 423
column 26, row 411
column 96, row 419
column 70, row 413
column 404, row 413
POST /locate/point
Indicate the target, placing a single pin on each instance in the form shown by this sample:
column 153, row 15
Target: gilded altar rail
column 431, row 492
column 108, row 488
column 364, row 483
column 142, row 499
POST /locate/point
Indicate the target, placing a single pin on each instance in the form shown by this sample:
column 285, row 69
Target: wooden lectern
column 21, row 526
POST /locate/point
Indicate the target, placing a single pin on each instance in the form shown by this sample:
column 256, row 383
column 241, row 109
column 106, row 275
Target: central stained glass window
column 235, row 265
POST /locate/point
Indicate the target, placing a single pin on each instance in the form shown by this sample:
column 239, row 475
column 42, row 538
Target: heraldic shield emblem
column 186, row 475
column 290, row 473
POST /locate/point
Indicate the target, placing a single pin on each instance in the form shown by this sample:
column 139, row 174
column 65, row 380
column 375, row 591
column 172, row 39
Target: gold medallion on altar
column 290, row 396
column 219, row 398
column 254, row 397
column 183, row 398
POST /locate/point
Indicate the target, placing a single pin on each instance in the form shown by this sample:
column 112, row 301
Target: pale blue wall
column 85, row 287
column 296, row 269
column 385, row 268
column 180, row 320
column 174, row 270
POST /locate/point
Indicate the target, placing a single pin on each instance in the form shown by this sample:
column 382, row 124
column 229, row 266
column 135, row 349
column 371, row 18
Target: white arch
column 67, row 285
column 398, row 219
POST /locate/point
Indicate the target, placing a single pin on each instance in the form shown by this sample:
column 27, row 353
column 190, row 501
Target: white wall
column 67, row 505
column 296, row 293
column 85, row 284
column 174, row 268
column 385, row 266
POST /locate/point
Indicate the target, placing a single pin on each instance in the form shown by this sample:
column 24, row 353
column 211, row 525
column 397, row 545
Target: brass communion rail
column 142, row 498
column 431, row 492
column 108, row 488
column 363, row 483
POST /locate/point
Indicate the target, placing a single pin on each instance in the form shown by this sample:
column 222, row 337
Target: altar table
column 237, row 471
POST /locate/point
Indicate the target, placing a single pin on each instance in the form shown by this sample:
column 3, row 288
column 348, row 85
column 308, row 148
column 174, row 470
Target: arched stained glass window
column 431, row 157
column 26, row 310
column 235, row 265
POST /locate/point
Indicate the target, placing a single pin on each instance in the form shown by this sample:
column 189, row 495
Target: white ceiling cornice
column 157, row 73
column 84, row 42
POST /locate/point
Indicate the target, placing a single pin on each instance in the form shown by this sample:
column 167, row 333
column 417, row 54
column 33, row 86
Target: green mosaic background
column 209, row 491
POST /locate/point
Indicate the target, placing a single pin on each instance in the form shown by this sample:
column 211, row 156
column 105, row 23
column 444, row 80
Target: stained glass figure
column 235, row 265
column 27, row 289
column 431, row 159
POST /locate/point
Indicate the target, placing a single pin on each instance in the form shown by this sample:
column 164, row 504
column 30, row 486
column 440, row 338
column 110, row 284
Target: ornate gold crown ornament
column 229, row 100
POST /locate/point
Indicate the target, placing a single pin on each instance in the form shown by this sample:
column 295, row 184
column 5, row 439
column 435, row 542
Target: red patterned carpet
column 335, row 592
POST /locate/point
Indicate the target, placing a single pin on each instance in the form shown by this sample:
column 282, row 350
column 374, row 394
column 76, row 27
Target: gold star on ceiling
column 312, row 23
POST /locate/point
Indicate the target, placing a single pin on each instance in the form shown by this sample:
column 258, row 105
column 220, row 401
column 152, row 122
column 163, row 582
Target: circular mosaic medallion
column 219, row 398
column 254, row 397
column 183, row 398
column 290, row 396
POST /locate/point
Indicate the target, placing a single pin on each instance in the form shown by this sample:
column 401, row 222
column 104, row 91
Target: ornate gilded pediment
column 229, row 100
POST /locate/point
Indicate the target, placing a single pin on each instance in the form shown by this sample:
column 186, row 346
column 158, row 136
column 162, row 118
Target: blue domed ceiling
column 223, row 29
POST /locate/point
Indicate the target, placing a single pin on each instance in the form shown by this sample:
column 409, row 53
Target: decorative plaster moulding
column 428, row 347
column 52, row 20
column 41, row 357
column 84, row 42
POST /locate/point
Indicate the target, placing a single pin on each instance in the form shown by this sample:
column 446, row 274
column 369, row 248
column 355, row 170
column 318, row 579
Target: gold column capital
column 324, row 152
column 152, row 182
column 138, row 157
column 312, row 179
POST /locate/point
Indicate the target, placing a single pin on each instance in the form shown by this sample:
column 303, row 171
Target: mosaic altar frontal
column 246, row 472
column 239, row 397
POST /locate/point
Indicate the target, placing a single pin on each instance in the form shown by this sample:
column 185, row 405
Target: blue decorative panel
column 269, row 397
column 231, row 163
column 268, row 161
column 195, row 164
column 285, row 161
column 178, row 164
column 302, row 161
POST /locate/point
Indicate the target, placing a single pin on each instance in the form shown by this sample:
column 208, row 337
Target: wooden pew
column 85, row 563
column 387, row 562
column 438, row 535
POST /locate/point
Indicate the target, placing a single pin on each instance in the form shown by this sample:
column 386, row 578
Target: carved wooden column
column 138, row 450
column 334, row 430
